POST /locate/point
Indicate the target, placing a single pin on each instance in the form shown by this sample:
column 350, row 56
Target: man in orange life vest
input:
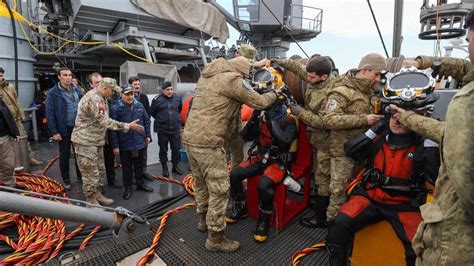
column 392, row 185
column 272, row 134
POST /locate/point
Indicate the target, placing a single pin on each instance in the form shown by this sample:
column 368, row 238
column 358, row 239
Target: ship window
column 247, row 10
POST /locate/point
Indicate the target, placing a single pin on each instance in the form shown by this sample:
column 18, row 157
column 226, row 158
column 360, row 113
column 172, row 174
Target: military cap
column 127, row 89
column 247, row 51
column 372, row 61
column 241, row 64
column 110, row 83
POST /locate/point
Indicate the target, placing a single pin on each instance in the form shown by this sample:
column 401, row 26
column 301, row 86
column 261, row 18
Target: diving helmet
column 267, row 78
column 411, row 89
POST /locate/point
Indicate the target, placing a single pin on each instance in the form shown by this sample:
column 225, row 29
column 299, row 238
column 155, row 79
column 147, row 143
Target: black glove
column 296, row 109
column 380, row 127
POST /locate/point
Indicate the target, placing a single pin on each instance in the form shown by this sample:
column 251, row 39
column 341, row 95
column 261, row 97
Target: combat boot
column 238, row 211
column 103, row 200
column 318, row 218
column 263, row 224
column 176, row 169
column 202, row 225
column 166, row 173
column 217, row 241
column 92, row 199
column 35, row 162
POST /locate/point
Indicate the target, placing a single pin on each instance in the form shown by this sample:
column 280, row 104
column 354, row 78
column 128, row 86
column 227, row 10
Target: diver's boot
column 337, row 255
column 202, row 225
column 318, row 218
column 103, row 200
column 217, row 241
column 263, row 224
column 238, row 211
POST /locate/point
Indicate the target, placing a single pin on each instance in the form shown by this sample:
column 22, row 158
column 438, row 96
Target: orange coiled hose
column 188, row 184
column 298, row 255
column 156, row 238
column 40, row 239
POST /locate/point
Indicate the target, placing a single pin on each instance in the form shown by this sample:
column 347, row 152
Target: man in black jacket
column 166, row 109
column 135, row 82
column 7, row 153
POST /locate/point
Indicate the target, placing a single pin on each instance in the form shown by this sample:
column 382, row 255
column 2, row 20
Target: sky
column 348, row 31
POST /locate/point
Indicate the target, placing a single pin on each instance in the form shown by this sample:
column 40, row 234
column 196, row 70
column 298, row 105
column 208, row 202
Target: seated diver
column 269, row 156
column 392, row 186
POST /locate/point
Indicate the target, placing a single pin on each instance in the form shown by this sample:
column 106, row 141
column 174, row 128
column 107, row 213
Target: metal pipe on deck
column 15, row 203
column 146, row 49
column 203, row 55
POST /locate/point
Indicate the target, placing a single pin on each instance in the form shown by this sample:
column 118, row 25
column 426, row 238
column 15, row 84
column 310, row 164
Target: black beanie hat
column 165, row 85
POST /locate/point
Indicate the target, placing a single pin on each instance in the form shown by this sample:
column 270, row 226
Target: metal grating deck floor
column 183, row 244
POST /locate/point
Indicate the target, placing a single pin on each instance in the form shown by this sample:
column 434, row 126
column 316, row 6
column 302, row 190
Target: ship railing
column 305, row 17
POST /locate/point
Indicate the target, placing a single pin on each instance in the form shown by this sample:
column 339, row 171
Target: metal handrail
column 314, row 23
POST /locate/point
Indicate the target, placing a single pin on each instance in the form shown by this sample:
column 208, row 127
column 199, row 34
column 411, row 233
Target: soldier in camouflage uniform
column 235, row 142
column 347, row 113
column 219, row 94
column 446, row 236
column 10, row 98
column 89, row 135
column 317, row 75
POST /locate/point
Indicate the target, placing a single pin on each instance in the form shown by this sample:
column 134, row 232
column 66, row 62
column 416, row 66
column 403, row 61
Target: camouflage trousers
column 7, row 162
column 90, row 160
column 235, row 148
column 448, row 242
column 211, row 184
column 321, row 168
column 341, row 170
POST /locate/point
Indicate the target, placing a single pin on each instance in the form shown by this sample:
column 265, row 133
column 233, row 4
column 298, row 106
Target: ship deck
column 181, row 242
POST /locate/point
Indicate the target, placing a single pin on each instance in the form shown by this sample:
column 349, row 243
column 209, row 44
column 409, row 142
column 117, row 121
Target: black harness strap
column 414, row 185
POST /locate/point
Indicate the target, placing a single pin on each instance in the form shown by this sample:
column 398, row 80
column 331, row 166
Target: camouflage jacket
column 345, row 111
column 216, row 103
column 454, row 195
column 236, row 124
column 10, row 98
column 314, row 97
column 454, row 67
column 92, row 121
